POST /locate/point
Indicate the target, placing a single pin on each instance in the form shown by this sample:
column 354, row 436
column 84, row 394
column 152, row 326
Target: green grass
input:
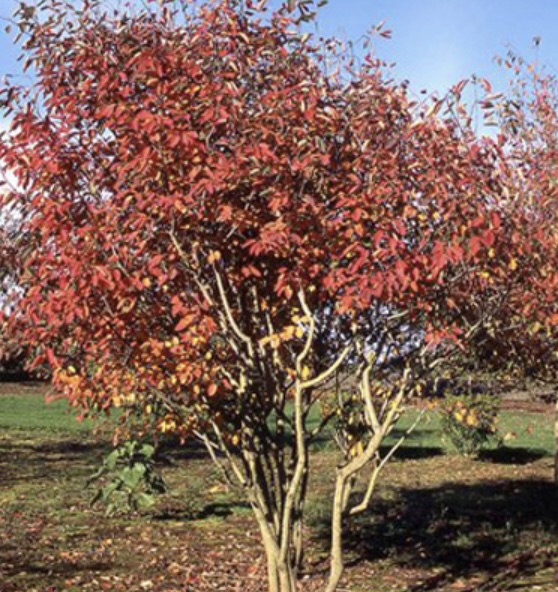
column 30, row 411
column 519, row 430
column 26, row 412
column 528, row 431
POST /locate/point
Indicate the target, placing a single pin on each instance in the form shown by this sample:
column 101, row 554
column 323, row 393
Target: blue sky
column 435, row 42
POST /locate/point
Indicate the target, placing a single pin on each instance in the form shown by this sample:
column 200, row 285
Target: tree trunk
column 287, row 578
column 336, row 558
column 298, row 525
column 272, row 573
column 556, row 442
column 281, row 575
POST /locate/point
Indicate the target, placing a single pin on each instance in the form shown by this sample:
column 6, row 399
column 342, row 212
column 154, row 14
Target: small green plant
column 469, row 422
column 130, row 479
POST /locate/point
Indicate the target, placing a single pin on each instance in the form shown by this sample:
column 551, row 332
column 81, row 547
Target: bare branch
column 311, row 330
column 228, row 312
column 367, row 396
column 327, row 373
column 377, row 470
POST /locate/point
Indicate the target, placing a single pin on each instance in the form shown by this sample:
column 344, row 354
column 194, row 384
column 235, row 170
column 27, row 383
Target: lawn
column 439, row 523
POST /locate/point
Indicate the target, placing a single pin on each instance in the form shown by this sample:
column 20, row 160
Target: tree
column 528, row 123
column 223, row 231
column 12, row 351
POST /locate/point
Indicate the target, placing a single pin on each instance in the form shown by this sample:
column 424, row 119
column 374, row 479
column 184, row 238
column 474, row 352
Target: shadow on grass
column 22, row 461
column 410, row 452
column 214, row 510
column 69, row 449
column 16, row 566
column 513, row 456
column 422, row 443
column 70, row 455
column 497, row 531
column 172, row 450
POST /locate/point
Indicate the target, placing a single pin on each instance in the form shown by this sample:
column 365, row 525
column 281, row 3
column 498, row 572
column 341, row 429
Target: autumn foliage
column 222, row 229
column 528, row 117
column 529, row 131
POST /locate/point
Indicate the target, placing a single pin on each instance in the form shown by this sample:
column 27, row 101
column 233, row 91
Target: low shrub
column 469, row 422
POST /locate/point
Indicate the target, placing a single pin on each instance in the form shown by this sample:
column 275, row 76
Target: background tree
column 12, row 350
column 223, row 230
column 528, row 119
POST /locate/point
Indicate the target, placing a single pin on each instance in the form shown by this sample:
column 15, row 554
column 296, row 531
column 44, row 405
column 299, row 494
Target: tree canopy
column 222, row 228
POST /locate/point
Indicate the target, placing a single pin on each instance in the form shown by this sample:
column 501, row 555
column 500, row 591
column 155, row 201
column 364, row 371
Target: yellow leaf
column 214, row 256
column 458, row 416
column 357, row 449
column 471, row 420
column 535, row 327
column 131, row 398
column 288, row 332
